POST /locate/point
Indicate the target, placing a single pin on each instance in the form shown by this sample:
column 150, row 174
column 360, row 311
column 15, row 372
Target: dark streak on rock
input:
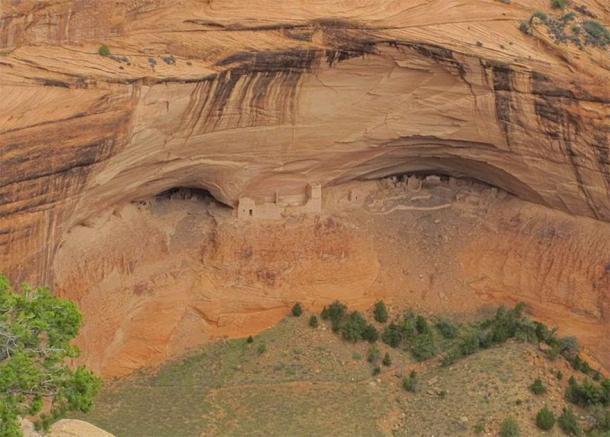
column 55, row 83
column 563, row 126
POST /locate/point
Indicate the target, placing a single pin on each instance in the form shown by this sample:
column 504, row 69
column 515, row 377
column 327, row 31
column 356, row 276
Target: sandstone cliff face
column 264, row 97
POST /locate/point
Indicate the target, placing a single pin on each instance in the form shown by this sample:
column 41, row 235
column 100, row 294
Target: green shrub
column 545, row 419
column 380, row 312
column 509, row 428
column 250, row 339
column 559, row 375
column 262, row 348
column 353, row 327
column 373, row 355
column 376, row 370
column 392, row 335
column 335, row 313
column 469, row 344
column 408, row 326
column 568, row 17
column 597, row 34
column 409, row 383
column 313, row 321
column 335, row 310
column 423, row 347
column 370, row 333
column 588, row 393
column 421, row 325
column 542, row 332
column 297, row 310
column 36, row 377
column 540, row 15
column 559, row 4
column 569, row 347
column 503, row 326
column 103, row 50
column 568, row 422
column 387, row 360
column 538, row 387
column 447, row 329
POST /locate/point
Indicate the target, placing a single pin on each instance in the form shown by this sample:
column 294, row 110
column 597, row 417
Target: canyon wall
column 260, row 99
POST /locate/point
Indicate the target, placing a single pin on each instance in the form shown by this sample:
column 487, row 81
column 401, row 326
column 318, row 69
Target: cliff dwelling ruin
column 312, row 204
column 226, row 159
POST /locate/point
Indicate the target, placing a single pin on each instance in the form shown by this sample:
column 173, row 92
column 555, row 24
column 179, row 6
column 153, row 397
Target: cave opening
column 443, row 177
column 477, row 171
column 187, row 193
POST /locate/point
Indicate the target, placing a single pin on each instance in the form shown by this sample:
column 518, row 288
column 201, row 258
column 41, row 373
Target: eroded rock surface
column 260, row 99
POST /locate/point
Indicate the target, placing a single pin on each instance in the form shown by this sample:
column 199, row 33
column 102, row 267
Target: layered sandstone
column 260, row 99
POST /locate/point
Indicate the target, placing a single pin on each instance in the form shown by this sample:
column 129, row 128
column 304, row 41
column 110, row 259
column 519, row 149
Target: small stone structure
column 414, row 183
column 313, row 196
column 247, row 207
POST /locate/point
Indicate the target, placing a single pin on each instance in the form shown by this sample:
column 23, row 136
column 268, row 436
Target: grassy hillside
column 296, row 380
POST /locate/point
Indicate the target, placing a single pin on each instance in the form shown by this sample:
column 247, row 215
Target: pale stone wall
column 248, row 209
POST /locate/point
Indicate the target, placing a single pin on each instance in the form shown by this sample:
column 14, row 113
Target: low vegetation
column 569, row 423
column 313, row 321
column 582, row 32
column 478, row 373
column 36, row 329
column 596, row 33
column 538, row 387
column 103, row 50
column 588, row 393
column 509, row 428
column 409, row 383
column 387, row 360
column 297, row 310
column 545, row 419
column 380, row 312
column 320, row 378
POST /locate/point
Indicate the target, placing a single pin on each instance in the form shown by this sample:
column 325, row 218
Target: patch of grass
column 559, row 4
